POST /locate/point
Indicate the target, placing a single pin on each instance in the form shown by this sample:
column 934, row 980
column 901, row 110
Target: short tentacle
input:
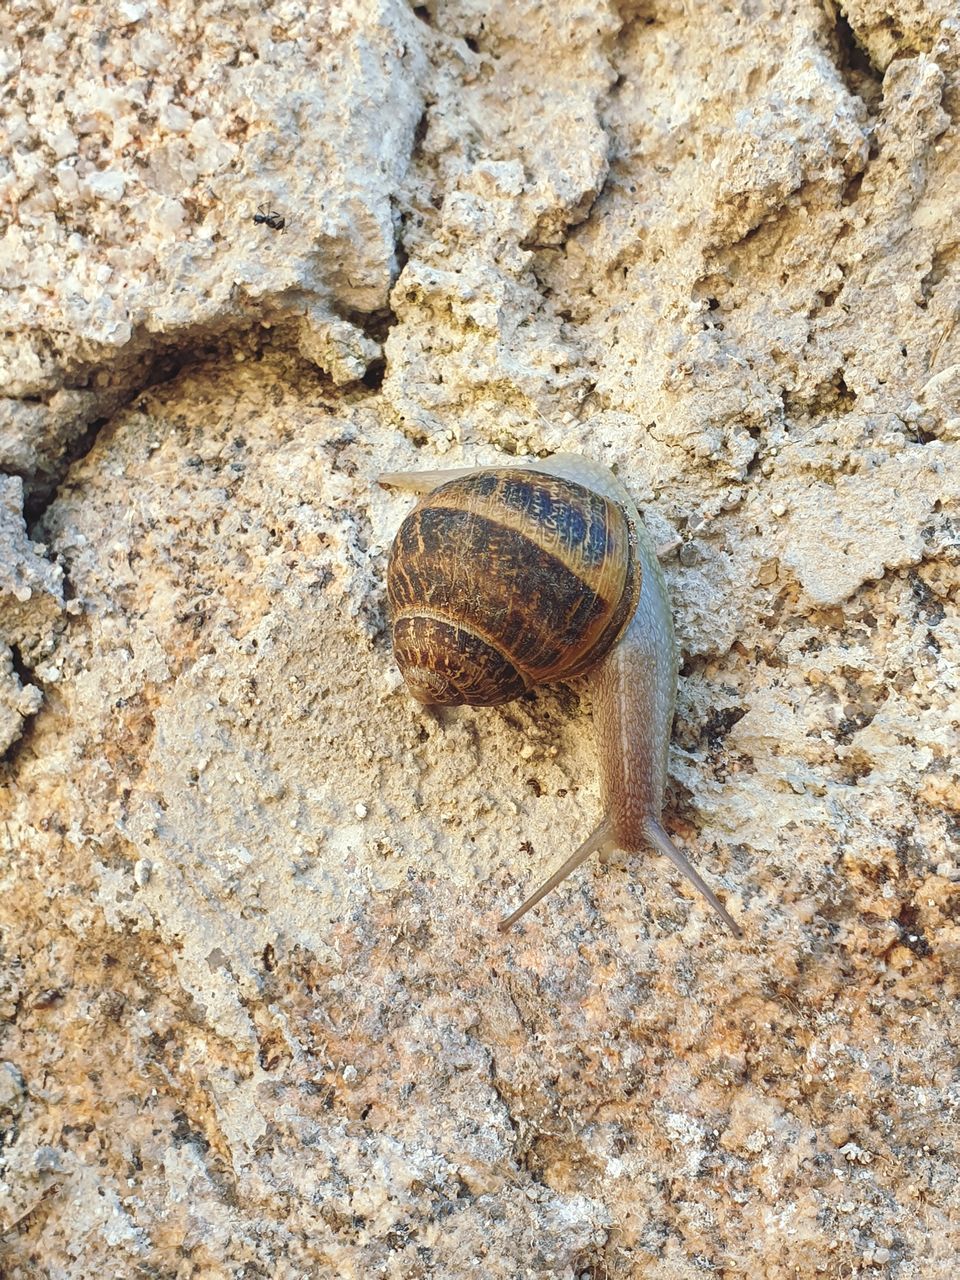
column 421, row 481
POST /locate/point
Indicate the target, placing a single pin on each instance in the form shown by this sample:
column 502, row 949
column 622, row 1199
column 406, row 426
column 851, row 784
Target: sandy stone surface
column 255, row 1016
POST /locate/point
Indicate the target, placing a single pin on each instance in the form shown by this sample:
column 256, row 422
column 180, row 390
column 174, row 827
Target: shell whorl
column 506, row 578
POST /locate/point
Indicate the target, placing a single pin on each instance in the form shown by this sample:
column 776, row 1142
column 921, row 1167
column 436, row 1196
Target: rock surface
column 255, row 1017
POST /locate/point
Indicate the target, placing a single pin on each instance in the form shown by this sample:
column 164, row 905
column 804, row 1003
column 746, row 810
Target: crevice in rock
column 131, row 378
column 939, row 269
column 579, row 216
column 830, row 397
column 851, row 192
column 374, row 324
column 38, row 496
column 21, row 669
column 42, row 484
column 632, row 13
column 376, row 372
column 403, row 210
column 419, row 134
column 25, row 675
column 41, row 487
column 911, row 934
column 862, row 77
column 719, row 722
column 763, row 233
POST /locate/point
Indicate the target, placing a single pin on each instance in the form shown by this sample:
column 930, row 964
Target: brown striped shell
column 507, row 578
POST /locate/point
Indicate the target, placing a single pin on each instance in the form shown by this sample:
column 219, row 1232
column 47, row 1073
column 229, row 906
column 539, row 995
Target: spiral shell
column 506, row 578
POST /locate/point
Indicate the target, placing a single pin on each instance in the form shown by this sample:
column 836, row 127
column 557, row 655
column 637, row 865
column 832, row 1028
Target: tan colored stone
column 257, row 1019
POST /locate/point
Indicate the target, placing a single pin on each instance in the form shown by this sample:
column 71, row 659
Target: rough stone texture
column 31, row 607
column 256, row 1019
column 140, row 155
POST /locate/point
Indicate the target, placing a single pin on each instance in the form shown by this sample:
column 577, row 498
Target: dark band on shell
column 504, row 579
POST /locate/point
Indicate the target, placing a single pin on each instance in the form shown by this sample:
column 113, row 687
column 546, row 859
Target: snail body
column 503, row 578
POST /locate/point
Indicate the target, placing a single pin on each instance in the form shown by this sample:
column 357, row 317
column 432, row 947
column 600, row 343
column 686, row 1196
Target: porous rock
column 257, row 1019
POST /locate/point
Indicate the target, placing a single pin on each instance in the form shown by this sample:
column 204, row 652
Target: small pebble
column 688, row 555
column 360, row 809
column 768, row 573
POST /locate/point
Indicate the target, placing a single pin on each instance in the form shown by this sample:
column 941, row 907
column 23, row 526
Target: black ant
column 269, row 218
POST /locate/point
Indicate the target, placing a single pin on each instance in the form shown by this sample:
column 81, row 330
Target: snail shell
column 505, row 579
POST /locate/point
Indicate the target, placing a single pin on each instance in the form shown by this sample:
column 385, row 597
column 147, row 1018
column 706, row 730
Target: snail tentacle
column 422, row 481
column 594, row 843
column 663, row 844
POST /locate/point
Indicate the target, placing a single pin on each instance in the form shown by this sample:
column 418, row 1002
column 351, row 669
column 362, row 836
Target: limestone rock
column 255, row 1015
column 31, row 606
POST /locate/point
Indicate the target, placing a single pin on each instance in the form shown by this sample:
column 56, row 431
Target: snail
column 506, row 577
